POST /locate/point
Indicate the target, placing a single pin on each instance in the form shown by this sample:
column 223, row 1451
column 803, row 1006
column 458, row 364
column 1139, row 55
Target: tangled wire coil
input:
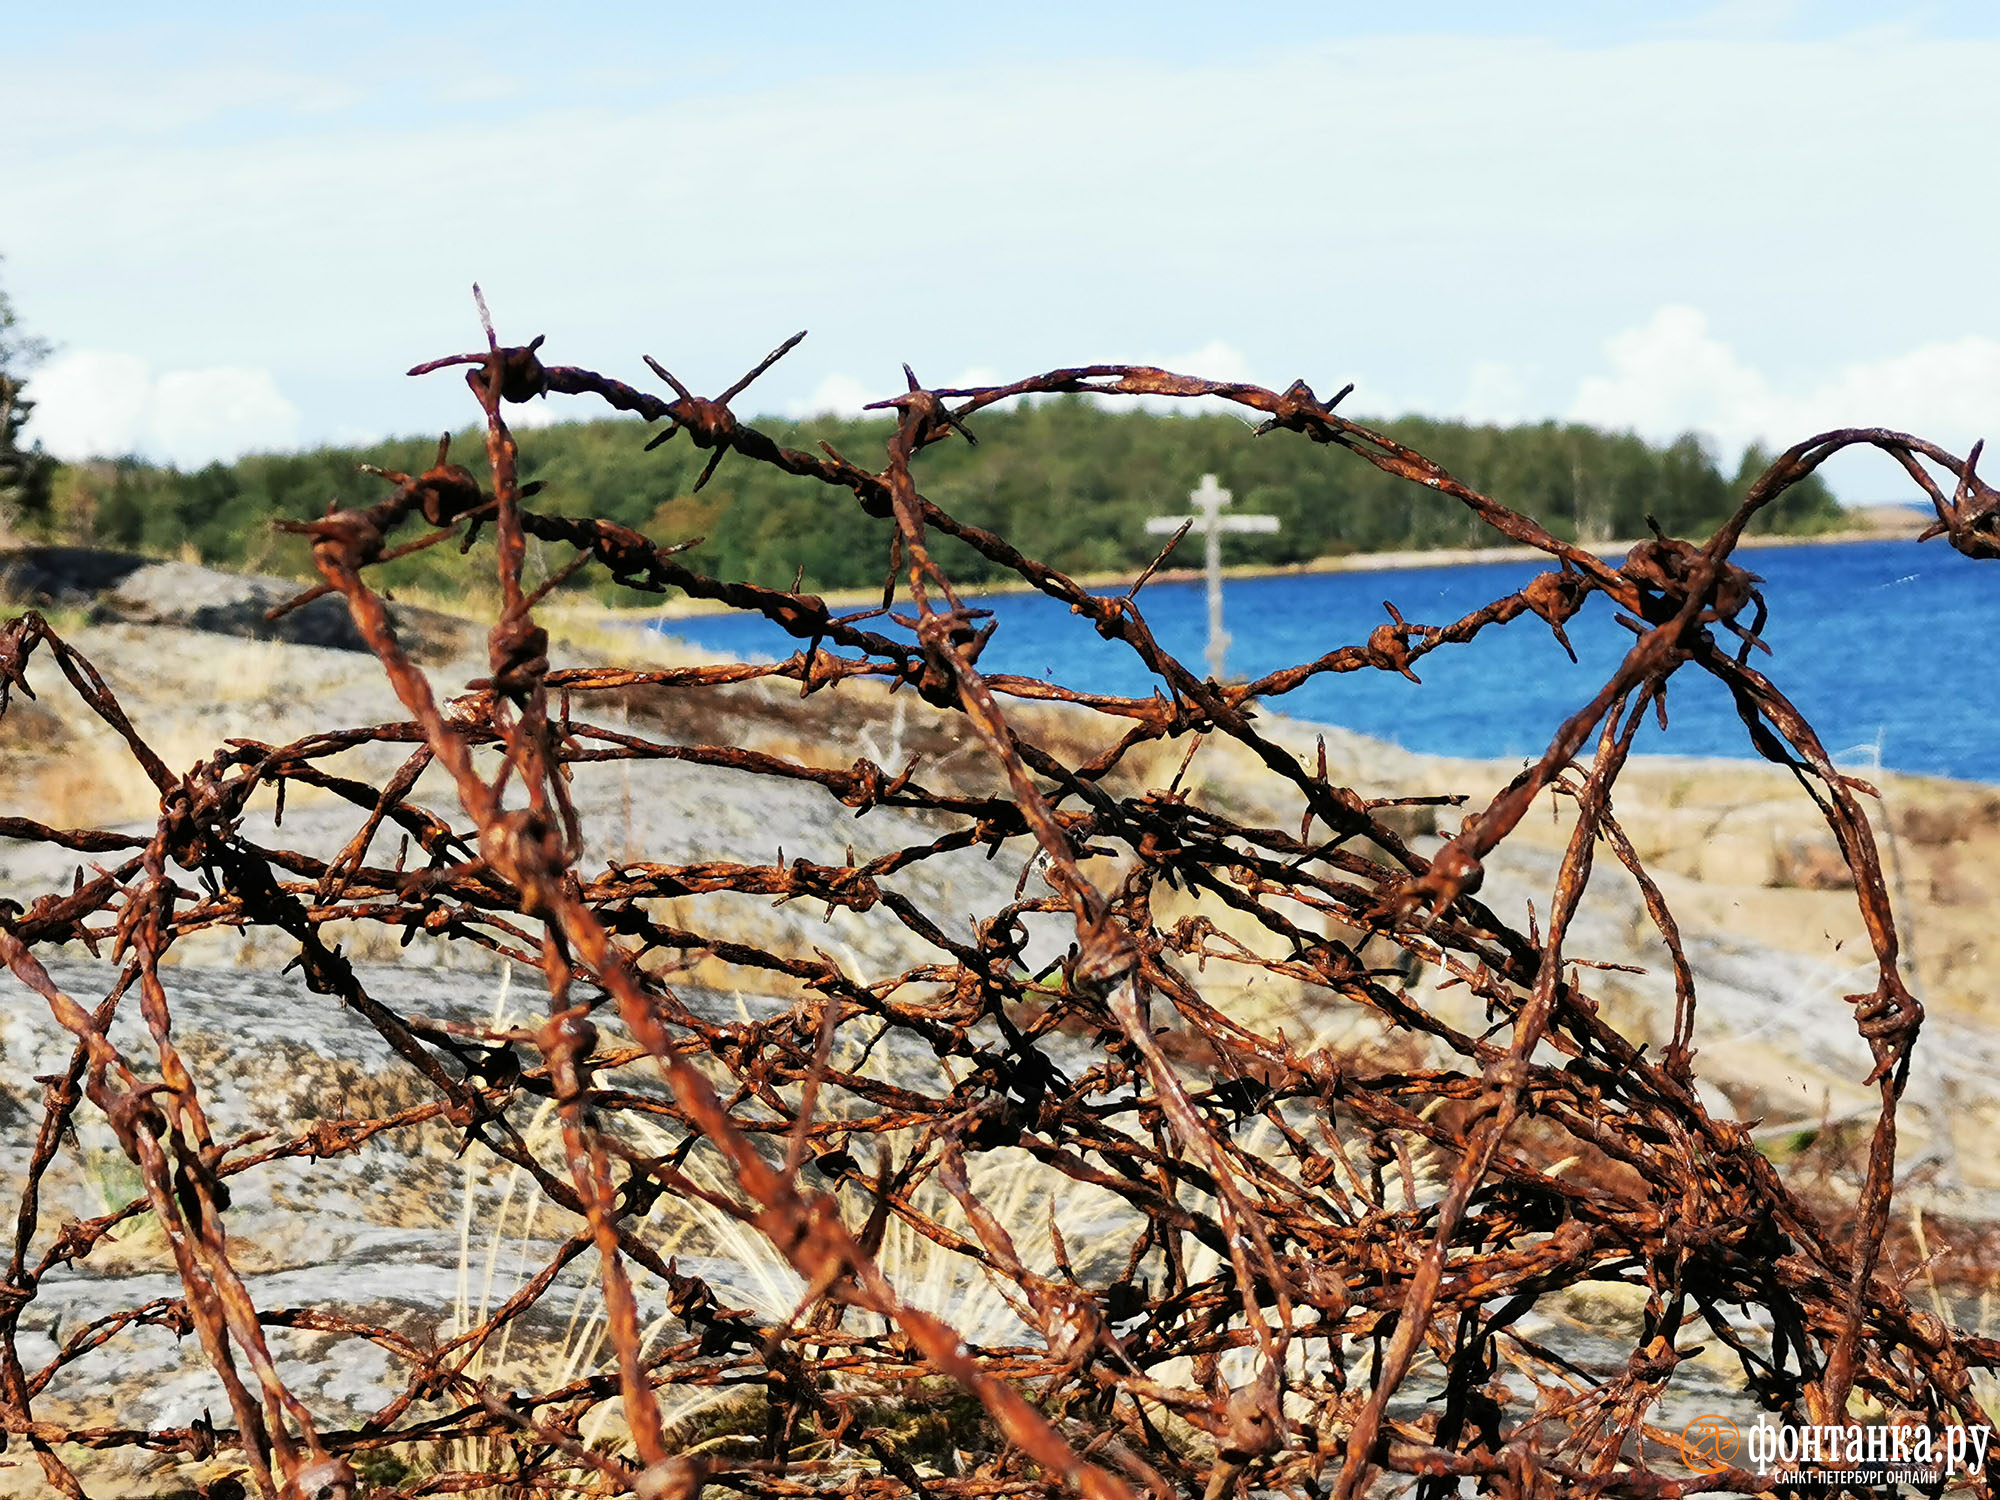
column 1282, row 1318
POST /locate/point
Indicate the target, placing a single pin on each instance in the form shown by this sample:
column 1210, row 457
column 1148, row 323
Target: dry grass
column 71, row 770
column 504, row 1219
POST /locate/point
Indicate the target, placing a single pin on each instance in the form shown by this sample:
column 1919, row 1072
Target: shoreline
column 1348, row 562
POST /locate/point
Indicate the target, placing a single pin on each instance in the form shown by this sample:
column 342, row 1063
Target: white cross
column 1209, row 498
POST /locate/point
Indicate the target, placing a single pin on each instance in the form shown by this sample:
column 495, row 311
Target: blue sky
column 1752, row 220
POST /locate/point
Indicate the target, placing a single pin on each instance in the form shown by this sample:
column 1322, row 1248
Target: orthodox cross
column 1208, row 500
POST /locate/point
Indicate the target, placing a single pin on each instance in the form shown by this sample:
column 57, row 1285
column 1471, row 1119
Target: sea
column 1887, row 647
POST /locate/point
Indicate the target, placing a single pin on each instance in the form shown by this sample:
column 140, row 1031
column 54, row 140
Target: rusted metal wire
column 1279, row 1322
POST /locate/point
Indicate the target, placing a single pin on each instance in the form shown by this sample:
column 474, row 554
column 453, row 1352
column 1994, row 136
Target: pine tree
column 25, row 471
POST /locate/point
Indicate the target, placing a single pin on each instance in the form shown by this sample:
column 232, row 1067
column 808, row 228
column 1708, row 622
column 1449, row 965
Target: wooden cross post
column 1208, row 500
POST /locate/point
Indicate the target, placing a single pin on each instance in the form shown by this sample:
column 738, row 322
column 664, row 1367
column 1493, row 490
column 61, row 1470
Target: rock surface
column 124, row 588
column 1737, row 849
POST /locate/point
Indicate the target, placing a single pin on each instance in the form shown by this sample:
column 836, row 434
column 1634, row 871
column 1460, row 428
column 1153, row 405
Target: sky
column 1753, row 220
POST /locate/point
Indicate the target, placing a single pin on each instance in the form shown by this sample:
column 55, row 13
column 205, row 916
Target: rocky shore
column 1739, row 852
column 1876, row 523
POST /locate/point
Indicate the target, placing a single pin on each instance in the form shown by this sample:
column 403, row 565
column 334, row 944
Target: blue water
column 1869, row 639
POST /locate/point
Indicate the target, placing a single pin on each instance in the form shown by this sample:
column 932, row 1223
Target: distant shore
column 1886, row 523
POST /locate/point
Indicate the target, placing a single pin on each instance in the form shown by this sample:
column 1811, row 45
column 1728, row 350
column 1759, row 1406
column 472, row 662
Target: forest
column 1071, row 479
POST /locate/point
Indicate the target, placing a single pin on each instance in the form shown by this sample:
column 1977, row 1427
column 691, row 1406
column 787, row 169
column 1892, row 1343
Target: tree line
column 1067, row 480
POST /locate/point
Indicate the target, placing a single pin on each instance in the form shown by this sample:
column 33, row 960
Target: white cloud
column 841, row 395
column 94, row 403
column 88, row 402
column 1495, row 393
column 528, row 416
column 976, row 375
column 1950, row 391
column 1214, row 360
column 838, row 395
column 201, row 415
column 1672, row 375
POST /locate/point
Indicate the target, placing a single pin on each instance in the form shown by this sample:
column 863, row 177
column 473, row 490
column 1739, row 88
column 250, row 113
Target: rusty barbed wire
column 1282, row 1278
